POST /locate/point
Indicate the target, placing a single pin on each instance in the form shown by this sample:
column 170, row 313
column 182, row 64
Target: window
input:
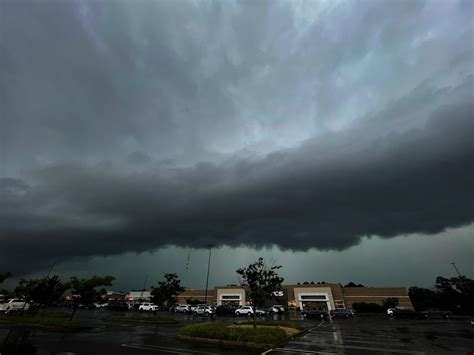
column 313, row 297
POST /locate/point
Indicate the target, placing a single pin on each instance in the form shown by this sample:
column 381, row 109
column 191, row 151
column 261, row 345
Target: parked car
column 194, row 307
column 86, row 306
column 226, row 310
column 273, row 310
column 14, row 305
column 340, row 313
column 279, row 307
column 248, row 311
column 148, row 307
column 436, row 313
column 100, row 305
column 407, row 314
column 121, row 307
column 315, row 314
column 204, row 311
column 182, row 308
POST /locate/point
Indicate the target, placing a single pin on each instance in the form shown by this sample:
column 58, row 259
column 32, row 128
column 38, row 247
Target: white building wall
column 235, row 292
column 315, row 291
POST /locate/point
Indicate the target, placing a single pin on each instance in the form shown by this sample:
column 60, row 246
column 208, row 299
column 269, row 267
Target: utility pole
column 454, row 265
column 208, row 268
column 144, row 285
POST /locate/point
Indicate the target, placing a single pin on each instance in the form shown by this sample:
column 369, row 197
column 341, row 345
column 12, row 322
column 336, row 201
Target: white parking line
column 345, row 340
column 283, row 350
column 163, row 349
column 355, row 347
column 152, row 349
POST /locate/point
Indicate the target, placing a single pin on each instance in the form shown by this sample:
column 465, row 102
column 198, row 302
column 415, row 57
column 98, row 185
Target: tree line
column 43, row 292
column 453, row 294
column 260, row 280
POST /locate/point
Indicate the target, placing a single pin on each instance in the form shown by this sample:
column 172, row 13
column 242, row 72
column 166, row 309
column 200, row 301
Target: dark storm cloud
column 417, row 181
column 126, row 127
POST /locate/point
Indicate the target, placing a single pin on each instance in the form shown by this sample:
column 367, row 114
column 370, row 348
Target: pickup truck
column 436, row 313
column 13, row 305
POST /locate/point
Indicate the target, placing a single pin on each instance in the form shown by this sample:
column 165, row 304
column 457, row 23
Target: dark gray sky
column 328, row 135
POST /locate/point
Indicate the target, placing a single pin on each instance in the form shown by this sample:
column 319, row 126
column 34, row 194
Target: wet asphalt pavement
column 360, row 335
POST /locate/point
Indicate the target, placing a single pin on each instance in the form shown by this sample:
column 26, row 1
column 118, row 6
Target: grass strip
column 58, row 321
column 262, row 335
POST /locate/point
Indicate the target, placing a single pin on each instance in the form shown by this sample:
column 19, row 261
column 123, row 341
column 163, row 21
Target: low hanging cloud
column 128, row 126
column 325, row 194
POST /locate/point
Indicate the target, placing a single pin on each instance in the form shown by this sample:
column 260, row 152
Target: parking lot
column 375, row 334
column 383, row 335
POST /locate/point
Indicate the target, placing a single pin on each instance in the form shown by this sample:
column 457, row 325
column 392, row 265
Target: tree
column 422, row 298
column 50, row 290
column 4, row 276
column 192, row 302
column 26, row 289
column 390, row 302
column 41, row 292
column 84, row 291
column 352, row 284
column 453, row 294
column 167, row 291
column 262, row 281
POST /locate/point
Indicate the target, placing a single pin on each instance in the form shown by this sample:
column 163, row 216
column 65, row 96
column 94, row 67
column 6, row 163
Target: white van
column 14, row 305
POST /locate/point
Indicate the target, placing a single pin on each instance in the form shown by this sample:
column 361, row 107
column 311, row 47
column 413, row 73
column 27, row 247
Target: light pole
column 208, row 268
column 454, row 265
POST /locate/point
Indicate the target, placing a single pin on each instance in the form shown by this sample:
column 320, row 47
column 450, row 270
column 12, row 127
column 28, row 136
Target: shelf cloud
column 129, row 127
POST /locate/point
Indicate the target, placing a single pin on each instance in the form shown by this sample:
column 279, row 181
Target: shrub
column 275, row 324
column 220, row 331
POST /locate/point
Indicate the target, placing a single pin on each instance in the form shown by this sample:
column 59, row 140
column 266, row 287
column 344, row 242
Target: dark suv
column 406, row 314
column 340, row 313
column 226, row 310
column 436, row 313
column 315, row 314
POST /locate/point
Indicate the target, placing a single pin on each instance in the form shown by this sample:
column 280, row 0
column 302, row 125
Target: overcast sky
column 335, row 137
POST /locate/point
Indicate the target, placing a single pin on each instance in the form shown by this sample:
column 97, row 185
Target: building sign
column 230, row 297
